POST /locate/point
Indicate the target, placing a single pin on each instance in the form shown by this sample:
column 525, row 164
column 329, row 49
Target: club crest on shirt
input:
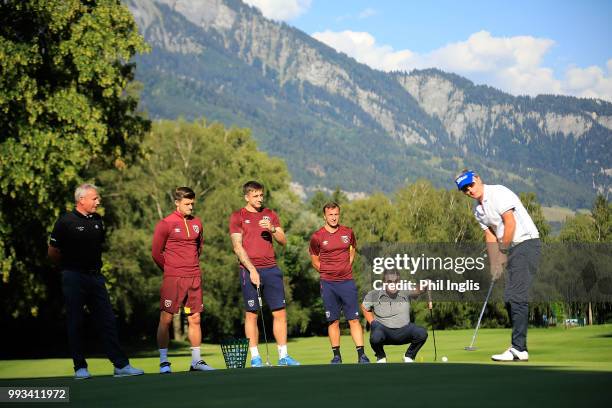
column 266, row 218
column 196, row 228
column 345, row 239
column 324, row 242
column 177, row 230
column 167, row 303
column 80, row 228
column 251, row 302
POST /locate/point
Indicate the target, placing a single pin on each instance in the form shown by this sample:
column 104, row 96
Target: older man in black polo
column 76, row 245
column 388, row 312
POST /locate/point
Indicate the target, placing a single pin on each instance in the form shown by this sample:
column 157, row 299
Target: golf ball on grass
column 444, row 359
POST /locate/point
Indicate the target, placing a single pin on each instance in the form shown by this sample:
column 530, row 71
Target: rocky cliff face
column 441, row 98
column 580, row 128
column 289, row 54
column 447, row 119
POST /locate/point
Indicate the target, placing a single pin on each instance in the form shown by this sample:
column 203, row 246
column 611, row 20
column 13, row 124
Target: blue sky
column 522, row 47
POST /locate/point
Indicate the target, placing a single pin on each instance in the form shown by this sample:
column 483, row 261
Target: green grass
column 557, row 214
column 566, row 368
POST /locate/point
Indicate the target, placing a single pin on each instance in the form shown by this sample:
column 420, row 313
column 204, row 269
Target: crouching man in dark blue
column 388, row 312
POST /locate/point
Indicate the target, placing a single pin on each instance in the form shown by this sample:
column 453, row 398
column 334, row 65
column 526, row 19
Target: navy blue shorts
column 341, row 295
column 272, row 289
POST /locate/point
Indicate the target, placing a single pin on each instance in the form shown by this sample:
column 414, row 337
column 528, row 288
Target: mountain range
column 341, row 124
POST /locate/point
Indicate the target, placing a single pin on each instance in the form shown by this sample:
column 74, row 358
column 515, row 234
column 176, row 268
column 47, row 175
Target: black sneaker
column 164, row 368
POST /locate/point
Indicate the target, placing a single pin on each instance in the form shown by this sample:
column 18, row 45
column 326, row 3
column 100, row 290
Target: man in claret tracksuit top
column 177, row 244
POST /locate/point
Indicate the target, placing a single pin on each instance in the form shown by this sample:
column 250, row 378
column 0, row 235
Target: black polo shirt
column 80, row 239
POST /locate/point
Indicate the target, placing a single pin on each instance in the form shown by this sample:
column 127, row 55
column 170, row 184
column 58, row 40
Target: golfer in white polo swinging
column 507, row 226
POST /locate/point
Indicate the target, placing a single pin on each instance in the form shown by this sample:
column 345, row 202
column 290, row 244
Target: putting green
column 566, row 368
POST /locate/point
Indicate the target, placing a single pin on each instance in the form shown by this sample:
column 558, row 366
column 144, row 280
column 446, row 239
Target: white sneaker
column 200, row 366
column 408, row 360
column 511, row 354
column 381, row 360
column 127, row 371
column 164, row 368
column 81, row 374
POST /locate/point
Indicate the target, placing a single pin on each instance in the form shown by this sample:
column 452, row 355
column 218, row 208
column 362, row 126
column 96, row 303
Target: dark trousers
column 519, row 316
column 411, row 333
column 82, row 289
column 522, row 266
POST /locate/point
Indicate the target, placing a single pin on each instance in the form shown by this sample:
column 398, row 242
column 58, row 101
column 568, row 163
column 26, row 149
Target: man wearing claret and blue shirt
column 332, row 251
column 513, row 242
column 253, row 229
column 177, row 244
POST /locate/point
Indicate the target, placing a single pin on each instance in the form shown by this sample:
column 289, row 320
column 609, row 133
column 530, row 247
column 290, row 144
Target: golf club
column 263, row 323
column 471, row 346
column 433, row 331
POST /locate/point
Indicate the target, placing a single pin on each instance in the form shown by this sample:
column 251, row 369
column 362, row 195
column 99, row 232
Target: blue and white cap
column 465, row 179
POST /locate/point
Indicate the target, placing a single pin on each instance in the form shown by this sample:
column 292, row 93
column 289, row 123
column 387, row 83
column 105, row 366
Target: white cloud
column 513, row 64
column 589, row 82
column 368, row 12
column 362, row 46
column 483, row 52
column 281, row 9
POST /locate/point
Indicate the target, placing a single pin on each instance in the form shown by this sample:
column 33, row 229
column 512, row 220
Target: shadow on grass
column 425, row 384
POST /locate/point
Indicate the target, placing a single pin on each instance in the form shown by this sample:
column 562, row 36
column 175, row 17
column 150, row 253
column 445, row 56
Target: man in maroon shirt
column 252, row 230
column 332, row 251
column 177, row 243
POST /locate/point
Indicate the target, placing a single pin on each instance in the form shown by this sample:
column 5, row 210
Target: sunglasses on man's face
column 465, row 188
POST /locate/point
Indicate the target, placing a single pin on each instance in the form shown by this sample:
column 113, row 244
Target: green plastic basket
column 235, row 352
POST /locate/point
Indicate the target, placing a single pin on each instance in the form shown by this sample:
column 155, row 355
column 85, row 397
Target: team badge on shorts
column 327, row 313
column 196, row 229
column 345, row 239
column 251, row 302
column 167, row 303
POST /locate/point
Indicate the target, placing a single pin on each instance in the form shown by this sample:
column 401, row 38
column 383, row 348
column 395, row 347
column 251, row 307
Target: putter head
column 471, row 348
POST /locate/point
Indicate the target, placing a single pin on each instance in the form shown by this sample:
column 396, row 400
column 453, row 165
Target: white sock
column 195, row 355
column 254, row 351
column 282, row 351
column 163, row 355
